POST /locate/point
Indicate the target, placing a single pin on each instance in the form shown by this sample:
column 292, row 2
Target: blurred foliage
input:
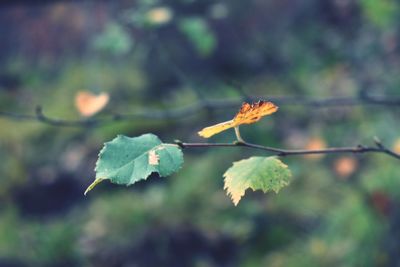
column 199, row 34
column 381, row 13
column 114, row 40
column 153, row 54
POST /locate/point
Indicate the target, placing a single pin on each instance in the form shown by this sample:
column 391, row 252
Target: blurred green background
column 152, row 55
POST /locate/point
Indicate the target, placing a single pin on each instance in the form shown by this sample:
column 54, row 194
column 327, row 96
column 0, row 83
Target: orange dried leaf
column 248, row 113
column 89, row 104
column 251, row 113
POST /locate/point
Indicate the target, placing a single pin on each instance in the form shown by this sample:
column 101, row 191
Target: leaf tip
column 92, row 185
column 215, row 129
column 234, row 195
column 201, row 134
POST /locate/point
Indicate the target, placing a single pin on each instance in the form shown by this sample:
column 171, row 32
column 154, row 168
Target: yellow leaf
column 89, row 104
column 217, row 128
column 248, row 113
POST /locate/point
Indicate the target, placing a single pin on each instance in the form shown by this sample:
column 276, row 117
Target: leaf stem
column 238, row 136
column 92, row 185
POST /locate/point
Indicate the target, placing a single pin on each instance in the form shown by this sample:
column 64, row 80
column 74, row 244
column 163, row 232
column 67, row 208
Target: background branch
column 201, row 105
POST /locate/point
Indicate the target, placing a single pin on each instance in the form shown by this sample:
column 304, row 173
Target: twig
column 291, row 152
column 196, row 108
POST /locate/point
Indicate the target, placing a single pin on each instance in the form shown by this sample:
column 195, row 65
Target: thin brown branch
column 196, row 109
column 292, row 152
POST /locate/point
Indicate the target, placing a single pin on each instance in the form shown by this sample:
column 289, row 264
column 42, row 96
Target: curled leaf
column 248, row 114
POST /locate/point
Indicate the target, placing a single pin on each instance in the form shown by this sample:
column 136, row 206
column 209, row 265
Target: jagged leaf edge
column 250, row 187
column 99, row 180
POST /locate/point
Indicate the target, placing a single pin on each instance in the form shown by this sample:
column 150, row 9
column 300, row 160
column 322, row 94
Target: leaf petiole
column 92, row 185
column 238, row 136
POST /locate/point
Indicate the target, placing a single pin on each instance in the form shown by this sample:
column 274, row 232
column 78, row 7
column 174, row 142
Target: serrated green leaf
column 264, row 173
column 126, row 160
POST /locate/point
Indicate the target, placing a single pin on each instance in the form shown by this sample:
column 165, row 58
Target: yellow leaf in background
column 89, row 104
column 345, row 166
column 396, row 146
column 248, row 113
column 159, row 15
column 315, row 143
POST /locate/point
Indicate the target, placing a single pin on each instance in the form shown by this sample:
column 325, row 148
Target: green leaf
column 265, row 173
column 126, row 160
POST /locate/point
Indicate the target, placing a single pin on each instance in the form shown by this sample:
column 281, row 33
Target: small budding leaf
column 248, row 114
column 264, row 173
column 126, row 160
